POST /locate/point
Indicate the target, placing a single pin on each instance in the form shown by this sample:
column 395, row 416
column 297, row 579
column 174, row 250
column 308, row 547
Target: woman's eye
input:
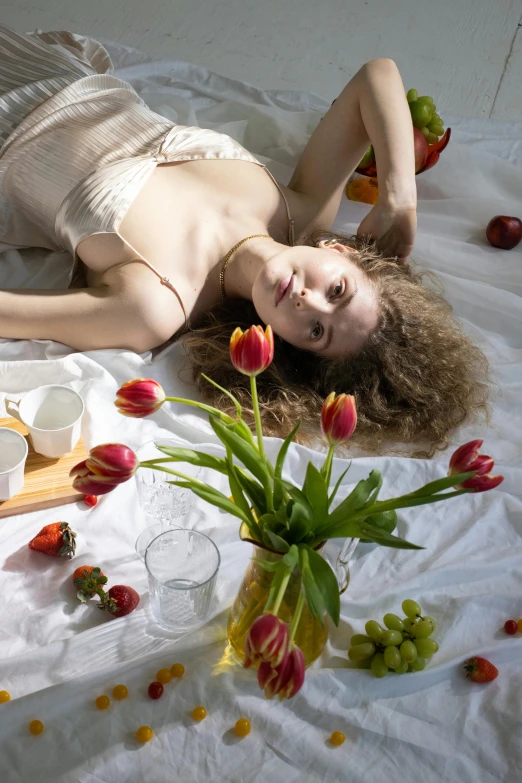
column 316, row 332
column 337, row 290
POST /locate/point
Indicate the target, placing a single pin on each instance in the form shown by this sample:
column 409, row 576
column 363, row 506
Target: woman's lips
column 283, row 288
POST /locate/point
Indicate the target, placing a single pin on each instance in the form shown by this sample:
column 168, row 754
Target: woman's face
column 317, row 299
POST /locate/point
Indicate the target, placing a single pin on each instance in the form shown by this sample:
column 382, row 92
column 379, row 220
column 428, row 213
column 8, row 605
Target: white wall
column 467, row 54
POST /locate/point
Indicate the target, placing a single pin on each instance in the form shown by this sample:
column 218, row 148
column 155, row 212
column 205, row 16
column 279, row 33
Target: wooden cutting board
column 47, row 480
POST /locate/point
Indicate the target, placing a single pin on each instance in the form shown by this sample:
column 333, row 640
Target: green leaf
column 316, row 492
column 239, row 500
column 326, row 581
column 292, row 557
column 299, row 497
column 383, row 538
column 298, row 524
column 406, row 501
column 278, row 487
column 278, row 543
column 443, row 483
column 357, row 498
column 244, row 452
column 214, row 497
column 193, row 457
column 313, row 595
column 337, row 485
column 254, row 491
column 268, row 565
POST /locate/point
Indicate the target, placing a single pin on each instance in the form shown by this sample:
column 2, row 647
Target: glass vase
column 312, row 632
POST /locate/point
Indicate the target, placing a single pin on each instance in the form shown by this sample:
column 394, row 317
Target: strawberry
column 90, row 500
column 56, row 539
column 89, row 581
column 480, row 670
column 120, row 600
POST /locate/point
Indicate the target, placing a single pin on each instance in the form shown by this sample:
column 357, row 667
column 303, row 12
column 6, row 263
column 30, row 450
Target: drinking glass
column 147, row 535
column 157, row 497
column 182, row 567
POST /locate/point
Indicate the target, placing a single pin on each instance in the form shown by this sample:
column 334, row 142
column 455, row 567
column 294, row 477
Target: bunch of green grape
column 403, row 646
column 424, row 116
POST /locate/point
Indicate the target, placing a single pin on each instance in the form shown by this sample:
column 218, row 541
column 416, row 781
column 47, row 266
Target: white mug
column 53, row 416
column 13, row 453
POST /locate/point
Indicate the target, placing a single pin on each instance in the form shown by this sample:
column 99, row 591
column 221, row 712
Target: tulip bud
column 107, row 466
column 267, row 641
column 139, row 398
column 338, row 418
column 467, row 458
column 252, row 351
column 286, row 679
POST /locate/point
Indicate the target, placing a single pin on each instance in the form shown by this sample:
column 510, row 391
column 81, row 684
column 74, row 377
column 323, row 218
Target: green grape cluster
column 403, row 645
column 424, row 116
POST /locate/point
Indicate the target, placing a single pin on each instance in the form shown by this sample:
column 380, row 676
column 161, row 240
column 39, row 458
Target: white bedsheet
column 434, row 726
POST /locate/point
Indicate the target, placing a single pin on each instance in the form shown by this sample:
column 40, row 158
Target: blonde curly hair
column 416, row 380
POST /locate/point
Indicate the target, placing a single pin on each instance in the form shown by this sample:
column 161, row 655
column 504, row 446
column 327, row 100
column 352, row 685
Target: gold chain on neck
column 229, row 256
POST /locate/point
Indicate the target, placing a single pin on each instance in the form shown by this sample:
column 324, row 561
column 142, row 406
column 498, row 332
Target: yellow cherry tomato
column 337, row 738
column 164, row 676
column 120, row 692
column 242, row 727
column 144, row 734
column 4, row 696
column 199, row 713
column 519, row 626
column 36, row 727
column 177, row 670
column 102, row 702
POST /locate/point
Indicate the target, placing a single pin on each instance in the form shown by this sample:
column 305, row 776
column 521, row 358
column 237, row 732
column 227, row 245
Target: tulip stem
column 327, row 467
column 257, row 417
column 296, row 617
column 281, row 593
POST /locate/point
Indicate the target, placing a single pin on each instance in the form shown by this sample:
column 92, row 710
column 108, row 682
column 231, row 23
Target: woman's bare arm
column 372, row 109
column 86, row 319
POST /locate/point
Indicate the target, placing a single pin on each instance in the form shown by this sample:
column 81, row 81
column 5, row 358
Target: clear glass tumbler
column 182, row 566
column 157, row 497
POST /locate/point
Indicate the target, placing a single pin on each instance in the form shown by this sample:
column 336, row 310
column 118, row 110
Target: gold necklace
column 229, row 256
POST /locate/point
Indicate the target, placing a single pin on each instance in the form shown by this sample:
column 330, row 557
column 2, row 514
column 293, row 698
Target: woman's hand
column 393, row 228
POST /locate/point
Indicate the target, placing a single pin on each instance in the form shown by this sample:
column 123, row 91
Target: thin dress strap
column 291, row 230
column 164, row 280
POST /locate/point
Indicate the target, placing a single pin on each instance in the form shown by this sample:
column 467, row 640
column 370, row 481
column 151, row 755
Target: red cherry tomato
column 510, row 627
column 155, row 690
column 90, row 500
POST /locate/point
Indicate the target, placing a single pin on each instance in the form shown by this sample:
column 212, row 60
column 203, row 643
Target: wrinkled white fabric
column 434, row 726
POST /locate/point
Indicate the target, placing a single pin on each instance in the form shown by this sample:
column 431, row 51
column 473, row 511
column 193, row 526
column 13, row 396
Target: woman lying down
column 180, row 230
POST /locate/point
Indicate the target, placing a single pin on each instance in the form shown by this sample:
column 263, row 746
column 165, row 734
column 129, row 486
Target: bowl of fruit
column 429, row 138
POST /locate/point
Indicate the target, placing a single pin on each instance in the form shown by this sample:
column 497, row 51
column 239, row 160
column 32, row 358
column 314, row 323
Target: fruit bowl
column 429, row 137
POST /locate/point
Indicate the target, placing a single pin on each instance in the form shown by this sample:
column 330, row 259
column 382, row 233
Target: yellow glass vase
column 311, row 634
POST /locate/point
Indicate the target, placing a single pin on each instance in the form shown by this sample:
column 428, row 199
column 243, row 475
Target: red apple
column 504, row 232
column 421, row 150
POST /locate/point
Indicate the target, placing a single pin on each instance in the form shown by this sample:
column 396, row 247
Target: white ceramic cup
column 13, row 453
column 53, row 416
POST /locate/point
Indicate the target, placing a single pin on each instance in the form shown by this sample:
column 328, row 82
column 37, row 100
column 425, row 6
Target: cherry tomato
column 155, row 690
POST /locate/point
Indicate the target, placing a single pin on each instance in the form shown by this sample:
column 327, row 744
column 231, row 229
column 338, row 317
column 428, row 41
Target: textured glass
column 182, row 566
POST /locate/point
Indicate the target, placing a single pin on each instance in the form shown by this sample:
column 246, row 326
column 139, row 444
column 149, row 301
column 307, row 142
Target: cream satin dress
column 78, row 144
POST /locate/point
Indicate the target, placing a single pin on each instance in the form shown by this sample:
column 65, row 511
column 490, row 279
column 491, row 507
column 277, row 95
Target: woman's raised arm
column 372, row 109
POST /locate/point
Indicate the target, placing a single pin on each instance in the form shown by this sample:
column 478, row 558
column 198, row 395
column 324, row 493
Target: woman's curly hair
column 417, row 378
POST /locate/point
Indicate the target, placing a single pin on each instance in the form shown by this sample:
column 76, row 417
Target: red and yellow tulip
column 107, row 466
column 140, row 397
column 467, row 458
column 338, row 418
column 267, row 641
column 252, row 351
column 284, row 680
